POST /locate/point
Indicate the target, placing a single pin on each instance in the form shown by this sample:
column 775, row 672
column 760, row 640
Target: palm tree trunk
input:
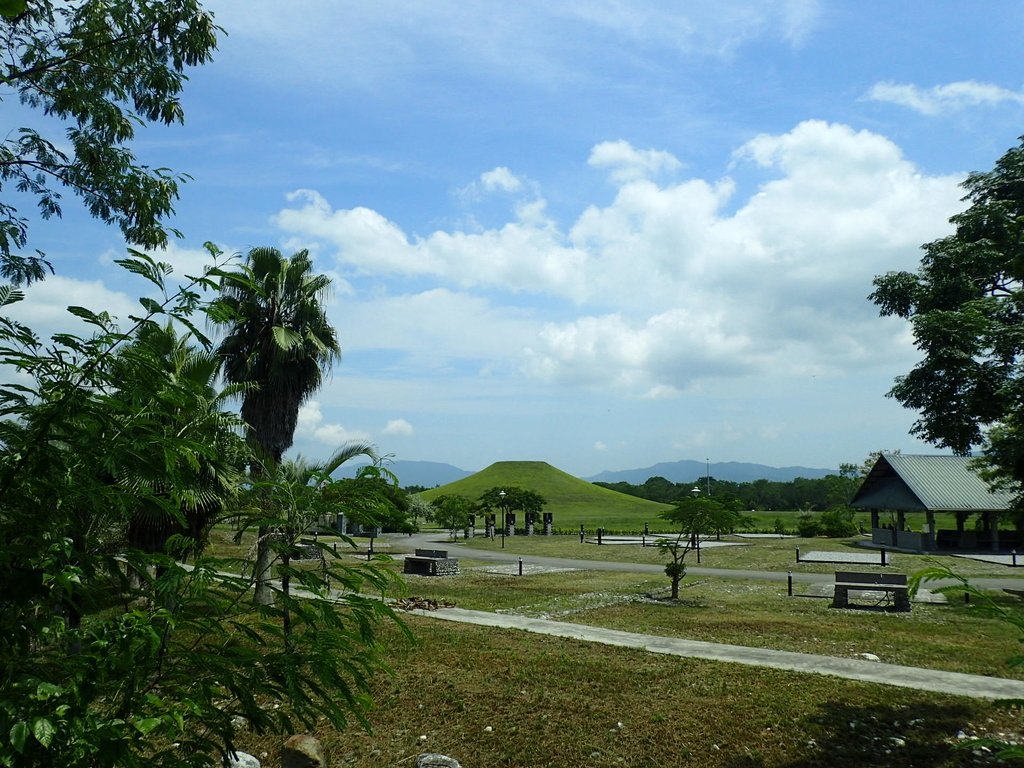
column 264, row 595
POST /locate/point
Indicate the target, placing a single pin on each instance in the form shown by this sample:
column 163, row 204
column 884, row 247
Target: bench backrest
column 439, row 553
column 853, row 577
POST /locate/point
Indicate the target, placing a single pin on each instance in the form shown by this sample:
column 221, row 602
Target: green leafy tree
column 510, row 499
column 298, row 495
column 452, row 512
column 96, row 670
column 372, row 499
column 102, row 68
column 159, row 368
column 695, row 517
column 966, row 308
column 279, row 343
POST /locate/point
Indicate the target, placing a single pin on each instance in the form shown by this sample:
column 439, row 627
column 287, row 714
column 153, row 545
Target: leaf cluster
column 99, row 71
column 116, row 455
column 966, row 307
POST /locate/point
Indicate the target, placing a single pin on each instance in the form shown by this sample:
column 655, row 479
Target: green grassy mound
column 572, row 501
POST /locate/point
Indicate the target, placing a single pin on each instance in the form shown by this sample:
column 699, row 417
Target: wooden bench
column 891, row 583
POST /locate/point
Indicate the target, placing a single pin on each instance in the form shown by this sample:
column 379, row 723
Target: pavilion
column 902, row 483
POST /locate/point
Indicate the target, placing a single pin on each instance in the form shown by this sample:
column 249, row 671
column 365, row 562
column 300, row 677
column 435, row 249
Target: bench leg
column 902, row 601
column 841, row 598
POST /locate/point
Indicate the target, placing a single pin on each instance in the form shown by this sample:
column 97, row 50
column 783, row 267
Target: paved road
column 400, row 543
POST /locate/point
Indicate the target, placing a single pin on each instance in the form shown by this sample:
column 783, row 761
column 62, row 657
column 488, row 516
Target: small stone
column 714, row 747
column 434, row 760
column 423, row 738
column 241, row 760
column 898, row 742
column 869, row 657
column 303, row 751
column 488, row 729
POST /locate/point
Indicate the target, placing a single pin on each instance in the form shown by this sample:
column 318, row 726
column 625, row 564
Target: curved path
column 955, row 683
column 937, row 681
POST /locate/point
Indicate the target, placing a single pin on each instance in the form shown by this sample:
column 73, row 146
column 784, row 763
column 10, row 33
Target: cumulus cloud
column 311, row 427
column 943, row 99
column 399, row 427
column 528, row 253
column 501, row 179
column 627, row 163
column 45, row 306
column 669, row 283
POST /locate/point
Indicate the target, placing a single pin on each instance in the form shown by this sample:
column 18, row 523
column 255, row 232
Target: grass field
column 502, row 698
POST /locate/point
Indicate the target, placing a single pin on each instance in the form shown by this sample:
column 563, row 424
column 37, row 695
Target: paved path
column 974, row 686
column 403, row 543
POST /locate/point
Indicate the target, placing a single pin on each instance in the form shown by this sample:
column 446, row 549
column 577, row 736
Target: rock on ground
column 302, row 751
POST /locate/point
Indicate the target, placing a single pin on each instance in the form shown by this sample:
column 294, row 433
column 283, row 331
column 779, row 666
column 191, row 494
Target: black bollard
column 798, row 554
column 883, row 556
column 520, row 566
column 789, row 582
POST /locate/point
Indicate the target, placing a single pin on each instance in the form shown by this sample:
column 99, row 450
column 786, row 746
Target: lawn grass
column 953, row 637
column 558, row 702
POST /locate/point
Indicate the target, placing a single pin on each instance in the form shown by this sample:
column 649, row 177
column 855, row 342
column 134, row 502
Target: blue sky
column 598, row 234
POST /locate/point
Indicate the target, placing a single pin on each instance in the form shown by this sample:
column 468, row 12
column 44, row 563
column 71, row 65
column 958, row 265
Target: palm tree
column 279, row 344
column 171, row 381
column 300, row 502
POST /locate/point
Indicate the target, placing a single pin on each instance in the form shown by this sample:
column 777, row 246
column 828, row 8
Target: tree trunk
column 675, row 587
column 264, row 595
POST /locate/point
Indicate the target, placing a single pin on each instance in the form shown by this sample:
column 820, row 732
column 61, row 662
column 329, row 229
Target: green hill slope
column 571, row 500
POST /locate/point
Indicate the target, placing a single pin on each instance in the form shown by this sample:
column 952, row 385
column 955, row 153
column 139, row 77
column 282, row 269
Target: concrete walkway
column 405, row 543
column 973, row 686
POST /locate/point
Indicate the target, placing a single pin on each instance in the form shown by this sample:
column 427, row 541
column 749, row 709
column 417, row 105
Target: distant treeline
column 799, row 494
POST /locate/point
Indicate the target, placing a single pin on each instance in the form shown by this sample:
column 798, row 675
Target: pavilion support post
column 930, row 534
column 994, row 526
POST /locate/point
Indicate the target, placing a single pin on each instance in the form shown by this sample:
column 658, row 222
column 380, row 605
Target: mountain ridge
column 431, row 474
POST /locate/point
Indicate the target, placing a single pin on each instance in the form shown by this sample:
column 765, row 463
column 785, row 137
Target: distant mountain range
column 426, row 473
column 432, row 473
column 732, row 471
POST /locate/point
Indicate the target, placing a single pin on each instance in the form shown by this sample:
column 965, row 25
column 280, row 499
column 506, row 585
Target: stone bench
column 431, row 562
column 890, row 583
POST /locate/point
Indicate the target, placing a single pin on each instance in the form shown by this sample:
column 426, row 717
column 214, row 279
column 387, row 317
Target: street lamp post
column 504, row 517
column 696, row 534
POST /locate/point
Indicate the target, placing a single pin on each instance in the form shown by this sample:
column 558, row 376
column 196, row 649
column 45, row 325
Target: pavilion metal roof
column 939, row 483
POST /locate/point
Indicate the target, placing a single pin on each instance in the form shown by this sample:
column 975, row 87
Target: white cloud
column 379, row 46
column 311, row 427
column 629, row 164
column 943, row 99
column 501, row 179
column 45, row 306
column 668, row 284
column 399, row 427
column 600, row 447
column 526, row 254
